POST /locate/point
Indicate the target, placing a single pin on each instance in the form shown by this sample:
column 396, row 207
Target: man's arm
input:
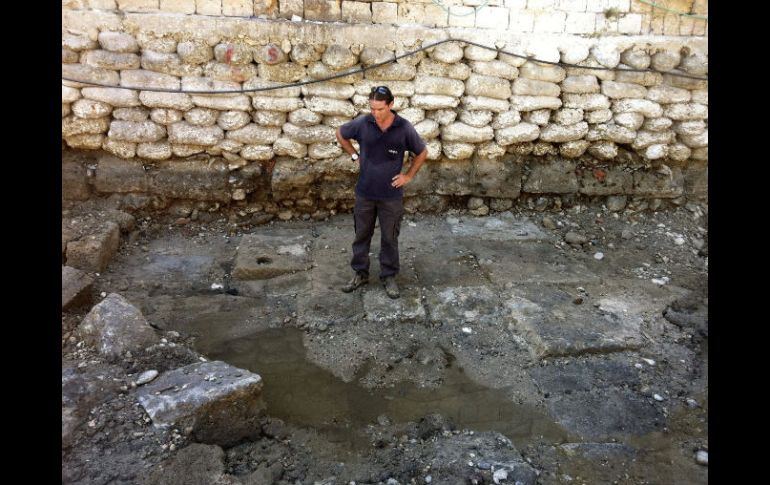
column 345, row 143
column 403, row 179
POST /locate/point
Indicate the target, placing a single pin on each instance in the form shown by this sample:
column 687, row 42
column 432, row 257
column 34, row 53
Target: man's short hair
column 381, row 93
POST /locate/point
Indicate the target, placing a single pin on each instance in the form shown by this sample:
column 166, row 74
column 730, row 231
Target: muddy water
column 304, row 394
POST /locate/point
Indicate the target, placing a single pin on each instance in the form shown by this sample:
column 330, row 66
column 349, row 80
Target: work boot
column 391, row 288
column 359, row 279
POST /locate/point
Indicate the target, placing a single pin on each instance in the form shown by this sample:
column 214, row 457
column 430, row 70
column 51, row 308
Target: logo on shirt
column 393, row 152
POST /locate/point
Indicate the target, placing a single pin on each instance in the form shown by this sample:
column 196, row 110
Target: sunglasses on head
column 381, row 90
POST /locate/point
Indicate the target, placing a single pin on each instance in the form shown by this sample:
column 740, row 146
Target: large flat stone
column 585, row 375
column 554, row 325
column 527, row 262
column 196, row 179
column 378, row 307
column 504, row 227
column 447, row 263
column 220, row 402
column 115, row 326
column 323, row 302
column 216, row 320
column 470, row 305
column 261, row 256
column 75, row 288
column 611, row 413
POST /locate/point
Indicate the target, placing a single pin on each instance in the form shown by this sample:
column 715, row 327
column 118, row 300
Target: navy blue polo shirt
column 382, row 154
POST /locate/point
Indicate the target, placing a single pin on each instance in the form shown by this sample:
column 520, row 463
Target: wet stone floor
column 503, row 331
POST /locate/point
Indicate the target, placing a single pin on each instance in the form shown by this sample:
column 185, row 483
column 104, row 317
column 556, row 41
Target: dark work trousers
column 364, row 214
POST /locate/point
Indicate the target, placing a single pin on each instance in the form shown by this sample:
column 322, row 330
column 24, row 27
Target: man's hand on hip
column 400, row 180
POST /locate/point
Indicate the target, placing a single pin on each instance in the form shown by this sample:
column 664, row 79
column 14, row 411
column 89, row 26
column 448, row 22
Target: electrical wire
column 374, row 66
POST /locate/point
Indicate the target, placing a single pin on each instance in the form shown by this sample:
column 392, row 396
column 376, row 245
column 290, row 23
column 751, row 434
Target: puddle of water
column 306, row 395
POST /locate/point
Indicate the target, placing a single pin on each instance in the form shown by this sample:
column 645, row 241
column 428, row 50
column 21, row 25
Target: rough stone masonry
column 499, row 128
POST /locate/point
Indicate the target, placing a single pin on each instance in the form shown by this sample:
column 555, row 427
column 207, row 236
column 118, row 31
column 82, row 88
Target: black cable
column 363, row 69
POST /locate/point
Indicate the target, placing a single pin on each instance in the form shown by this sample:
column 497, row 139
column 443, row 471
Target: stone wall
column 498, row 127
column 605, row 17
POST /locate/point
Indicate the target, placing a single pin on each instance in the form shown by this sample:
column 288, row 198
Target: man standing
column 383, row 136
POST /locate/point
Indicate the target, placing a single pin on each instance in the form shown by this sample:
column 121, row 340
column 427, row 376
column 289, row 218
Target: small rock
column 575, row 238
column 679, row 241
column 500, row 475
column 475, row 203
column 698, row 243
column 702, row 457
column 481, row 211
column 217, row 286
column 691, row 403
column 452, row 220
column 146, row 377
column 428, row 479
column 599, row 256
column 626, row 234
column 548, row 223
column 616, row 203
column 638, row 365
column 285, row 215
column 661, row 281
column 648, row 361
column 467, row 330
column 657, row 397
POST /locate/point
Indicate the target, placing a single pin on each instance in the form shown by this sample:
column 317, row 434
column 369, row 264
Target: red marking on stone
column 229, row 54
column 600, row 175
column 272, row 54
column 238, row 74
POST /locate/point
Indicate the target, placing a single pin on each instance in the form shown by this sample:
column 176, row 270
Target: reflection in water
column 303, row 394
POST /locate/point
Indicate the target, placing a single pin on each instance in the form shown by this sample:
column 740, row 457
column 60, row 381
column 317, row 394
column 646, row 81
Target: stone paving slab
column 472, row 305
column 630, row 296
column 584, row 375
column 278, row 286
column 551, row 321
column 502, row 227
column 220, row 402
column 378, row 307
column 263, row 256
column 218, row 318
column 324, row 302
column 606, row 414
column 527, row 262
column 447, row 263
